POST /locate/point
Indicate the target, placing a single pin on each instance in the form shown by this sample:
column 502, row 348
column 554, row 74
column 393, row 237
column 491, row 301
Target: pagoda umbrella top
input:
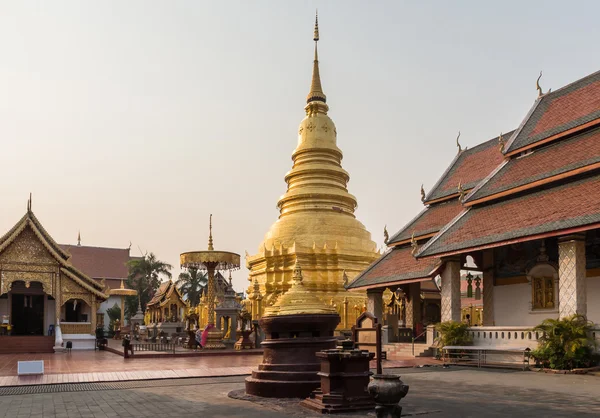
column 122, row 291
column 210, row 259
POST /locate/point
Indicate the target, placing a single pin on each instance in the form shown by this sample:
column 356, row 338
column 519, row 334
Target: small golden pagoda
column 316, row 226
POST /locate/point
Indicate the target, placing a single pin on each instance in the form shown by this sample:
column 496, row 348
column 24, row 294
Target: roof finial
column 386, row 236
column 461, row 191
column 210, row 240
column 458, row 143
column 537, row 85
column 316, row 91
column 501, row 142
column 422, row 193
column 413, row 244
column 29, row 203
column 79, row 239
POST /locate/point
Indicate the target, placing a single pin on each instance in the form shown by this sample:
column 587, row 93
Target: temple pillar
column 451, row 290
column 488, row 288
column 571, row 276
column 375, row 303
column 413, row 306
column 93, row 314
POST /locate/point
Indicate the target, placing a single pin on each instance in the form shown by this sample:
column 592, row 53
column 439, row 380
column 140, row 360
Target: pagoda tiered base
column 290, row 367
column 214, row 340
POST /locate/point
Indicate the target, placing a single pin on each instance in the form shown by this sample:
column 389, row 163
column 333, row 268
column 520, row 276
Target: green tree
column 145, row 276
column 191, row 284
column 565, row 343
column 452, row 333
column 114, row 314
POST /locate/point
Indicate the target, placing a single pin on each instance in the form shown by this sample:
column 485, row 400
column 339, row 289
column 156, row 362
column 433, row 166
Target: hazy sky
column 133, row 120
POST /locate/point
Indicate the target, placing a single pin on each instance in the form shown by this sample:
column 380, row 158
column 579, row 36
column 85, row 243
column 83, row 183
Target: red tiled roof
column 569, row 107
column 430, row 220
column 555, row 159
column 571, row 205
column 99, row 262
column 395, row 265
column 469, row 168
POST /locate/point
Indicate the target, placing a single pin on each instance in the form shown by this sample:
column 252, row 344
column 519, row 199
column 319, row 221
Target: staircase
column 26, row 344
column 397, row 351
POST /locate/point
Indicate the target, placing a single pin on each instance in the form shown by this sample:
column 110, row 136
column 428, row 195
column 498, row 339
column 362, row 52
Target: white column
column 375, row 303
column 451, row 290
column 488, row 288
column 571, row 276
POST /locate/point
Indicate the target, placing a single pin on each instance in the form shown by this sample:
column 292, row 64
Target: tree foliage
column 452, row 333
column 191, row 284
column 113, row 313
column 145, row 276
column 565, row 344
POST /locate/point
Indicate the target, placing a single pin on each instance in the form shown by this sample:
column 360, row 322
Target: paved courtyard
column 435, row 392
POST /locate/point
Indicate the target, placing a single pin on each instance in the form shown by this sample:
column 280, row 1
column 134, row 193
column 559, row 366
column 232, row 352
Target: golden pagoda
column 316, row 226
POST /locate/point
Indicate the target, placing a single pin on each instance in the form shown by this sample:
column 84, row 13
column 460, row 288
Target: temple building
column 316, row 226
column 167, row 309
column 107, row 266
column 40, row 288
column 524, row 210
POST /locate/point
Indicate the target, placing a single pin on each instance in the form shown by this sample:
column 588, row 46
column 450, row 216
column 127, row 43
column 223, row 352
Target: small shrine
column 167, row 309
column 227, row 314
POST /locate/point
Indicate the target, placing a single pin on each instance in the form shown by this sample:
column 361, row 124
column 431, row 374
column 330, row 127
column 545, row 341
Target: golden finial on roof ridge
column 537, row 85
column 210, row 238
column 501, row 142
column 386, row 236
column 422, row 193
column 458, row 143
column 316, row 90
column 79, row 238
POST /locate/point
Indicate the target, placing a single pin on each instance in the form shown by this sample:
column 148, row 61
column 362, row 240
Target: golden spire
column 79, row 239
column 316, row 91
column 210, row 240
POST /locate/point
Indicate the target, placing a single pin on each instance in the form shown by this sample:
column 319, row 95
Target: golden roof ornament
column 299, row 300
column 537, row 86
column 345, row 277
column 316, row 95
column 501, row 142
column 413, row 244
column 458, row 143
column 461, row 192
column 386, row 236
column 422, row 194
column 210, row 238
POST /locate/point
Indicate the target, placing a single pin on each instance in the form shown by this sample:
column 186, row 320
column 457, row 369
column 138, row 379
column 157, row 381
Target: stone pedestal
column 244, row 343
column 344, row 380
column 214, row 340
column 290, row 366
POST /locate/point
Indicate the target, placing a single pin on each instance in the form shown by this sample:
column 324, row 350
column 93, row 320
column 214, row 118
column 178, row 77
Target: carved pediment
column 27, row 248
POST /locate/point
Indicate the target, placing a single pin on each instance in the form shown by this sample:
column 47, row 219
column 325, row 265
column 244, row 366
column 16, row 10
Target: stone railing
column 76, row 327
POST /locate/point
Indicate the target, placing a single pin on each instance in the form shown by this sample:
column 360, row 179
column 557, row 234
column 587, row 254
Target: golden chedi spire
column 316, row 224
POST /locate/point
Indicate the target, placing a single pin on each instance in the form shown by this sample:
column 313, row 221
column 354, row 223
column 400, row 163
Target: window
column 543, row 293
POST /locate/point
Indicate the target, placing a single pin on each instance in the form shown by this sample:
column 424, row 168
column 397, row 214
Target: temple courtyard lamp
column 211, row 261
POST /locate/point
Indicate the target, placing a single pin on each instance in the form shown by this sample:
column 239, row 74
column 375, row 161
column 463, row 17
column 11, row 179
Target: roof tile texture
column 471, row 166
column 556, row 159
column 99, row 262
column 562, row 207
column 573, row 105
column 398, row 264
column 429, row 221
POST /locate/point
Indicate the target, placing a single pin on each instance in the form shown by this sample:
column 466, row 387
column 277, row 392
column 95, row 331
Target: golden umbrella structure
column 123, row 292
column 211, row 261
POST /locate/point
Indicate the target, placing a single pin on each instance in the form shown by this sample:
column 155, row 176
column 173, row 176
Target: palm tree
column 191, row 283
column 145, row 277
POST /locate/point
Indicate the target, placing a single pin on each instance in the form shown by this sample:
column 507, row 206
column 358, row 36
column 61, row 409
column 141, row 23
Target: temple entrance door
column 27, row 314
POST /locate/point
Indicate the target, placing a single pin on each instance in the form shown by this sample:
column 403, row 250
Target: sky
column 133, row 121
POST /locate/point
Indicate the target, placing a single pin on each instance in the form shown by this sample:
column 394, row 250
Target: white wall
column 511, row 306
column 50, row 314
column 593, row 299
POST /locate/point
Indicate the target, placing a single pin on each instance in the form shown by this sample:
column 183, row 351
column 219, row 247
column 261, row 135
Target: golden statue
column 317, row 226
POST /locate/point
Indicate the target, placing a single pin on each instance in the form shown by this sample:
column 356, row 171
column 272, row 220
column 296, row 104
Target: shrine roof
column 541, row 165
column 160, row 293
column 99, row 262
column 429, row 221
column 568, row 207
column 395, row 266
column 469, row 167
column 566, row 109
